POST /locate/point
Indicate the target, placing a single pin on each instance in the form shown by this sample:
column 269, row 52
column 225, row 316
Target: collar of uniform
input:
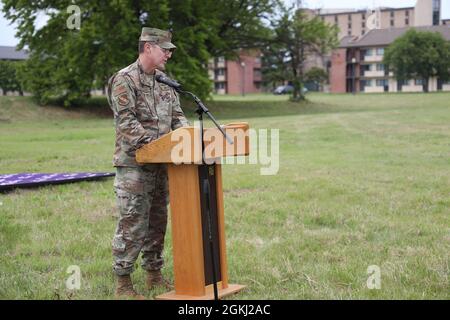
column 146, row 79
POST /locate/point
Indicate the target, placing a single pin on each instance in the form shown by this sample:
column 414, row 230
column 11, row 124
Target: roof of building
column 384, row 37
column 11, row 53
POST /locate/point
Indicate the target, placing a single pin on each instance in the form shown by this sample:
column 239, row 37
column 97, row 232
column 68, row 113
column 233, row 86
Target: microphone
column 168, row 81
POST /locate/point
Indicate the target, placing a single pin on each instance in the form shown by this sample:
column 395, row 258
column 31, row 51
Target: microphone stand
column 202, row 109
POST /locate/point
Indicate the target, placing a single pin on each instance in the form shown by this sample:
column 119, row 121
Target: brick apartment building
column 239, row 76
column 357, row 66
column 244, row 75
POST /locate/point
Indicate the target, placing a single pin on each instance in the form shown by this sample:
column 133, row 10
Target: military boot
column 125, row 290
column 155, row 279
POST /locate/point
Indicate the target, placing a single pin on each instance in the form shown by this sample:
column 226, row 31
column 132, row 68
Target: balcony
column 374, row 74
column 220, row 64
column 373, row 58
column 373, row 89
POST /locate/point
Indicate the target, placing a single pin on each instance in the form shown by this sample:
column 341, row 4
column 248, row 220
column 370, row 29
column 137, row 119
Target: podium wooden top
column 183, row 145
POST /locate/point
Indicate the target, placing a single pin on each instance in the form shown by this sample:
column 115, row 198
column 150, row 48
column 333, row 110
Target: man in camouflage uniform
column 144, row 110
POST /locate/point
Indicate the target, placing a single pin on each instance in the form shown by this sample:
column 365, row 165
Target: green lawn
column 363, row 180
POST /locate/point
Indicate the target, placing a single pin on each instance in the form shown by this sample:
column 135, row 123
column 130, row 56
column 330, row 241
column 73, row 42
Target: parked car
column 287, row 89
column 283, row 89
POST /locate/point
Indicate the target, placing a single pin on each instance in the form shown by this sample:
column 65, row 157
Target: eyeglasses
column 166, row 51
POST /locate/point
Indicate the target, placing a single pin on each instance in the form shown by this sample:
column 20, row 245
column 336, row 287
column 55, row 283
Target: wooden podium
column 181, row 150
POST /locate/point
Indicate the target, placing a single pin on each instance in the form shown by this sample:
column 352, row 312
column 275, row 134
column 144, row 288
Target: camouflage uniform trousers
column 142, row 199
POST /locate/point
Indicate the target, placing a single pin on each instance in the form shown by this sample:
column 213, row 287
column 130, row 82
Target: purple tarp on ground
column 19, row 180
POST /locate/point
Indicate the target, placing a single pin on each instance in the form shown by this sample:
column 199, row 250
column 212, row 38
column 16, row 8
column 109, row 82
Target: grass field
column 363, row 180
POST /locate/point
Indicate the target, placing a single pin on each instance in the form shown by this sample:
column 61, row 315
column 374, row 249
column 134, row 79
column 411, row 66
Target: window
column 436, row 18
column 392, row 14
column 220, row 85
column 335, row 19
column 404, row 82
column 436, row 12
column 361, row 85
column 363, row 25
column 349, row 17
column 369, row 52
column 349, row 32
column 364, row 16
column 436, row 4
column 364, row 68
column 365, row 83
column 407, row 21
column 418, row 82
column 382, row 82
column 392, row 23
column 407, row 13
column 380, row 67
column 363, row 32
column 380, row 51
column 349, row 25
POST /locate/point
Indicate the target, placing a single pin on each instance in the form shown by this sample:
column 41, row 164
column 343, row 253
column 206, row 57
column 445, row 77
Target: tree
column 300, row 36
column 274, row 69
column 419, row 55
column 9, row 80
column 68, row 63
column 316, row 75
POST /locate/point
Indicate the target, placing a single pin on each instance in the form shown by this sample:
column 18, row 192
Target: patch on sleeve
column 123, row 99
column 119, row 90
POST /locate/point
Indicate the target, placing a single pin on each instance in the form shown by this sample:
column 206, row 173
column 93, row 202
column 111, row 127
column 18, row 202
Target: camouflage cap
column 160, row 37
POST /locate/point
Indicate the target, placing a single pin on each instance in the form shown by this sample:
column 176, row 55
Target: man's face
column 159, row 56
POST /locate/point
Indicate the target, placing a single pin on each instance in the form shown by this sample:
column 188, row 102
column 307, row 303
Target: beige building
column 358, row 22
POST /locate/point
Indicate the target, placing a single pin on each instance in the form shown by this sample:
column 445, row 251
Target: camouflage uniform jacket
column 144, row 110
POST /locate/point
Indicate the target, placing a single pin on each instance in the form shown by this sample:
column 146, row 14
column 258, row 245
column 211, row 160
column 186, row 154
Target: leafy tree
column 70, row 62
column 316, row 75
column 300, row 36
column 9, row 80
column 275, row 68
column 419, row 55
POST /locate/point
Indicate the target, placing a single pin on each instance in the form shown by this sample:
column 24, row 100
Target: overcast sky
column 7, row 31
